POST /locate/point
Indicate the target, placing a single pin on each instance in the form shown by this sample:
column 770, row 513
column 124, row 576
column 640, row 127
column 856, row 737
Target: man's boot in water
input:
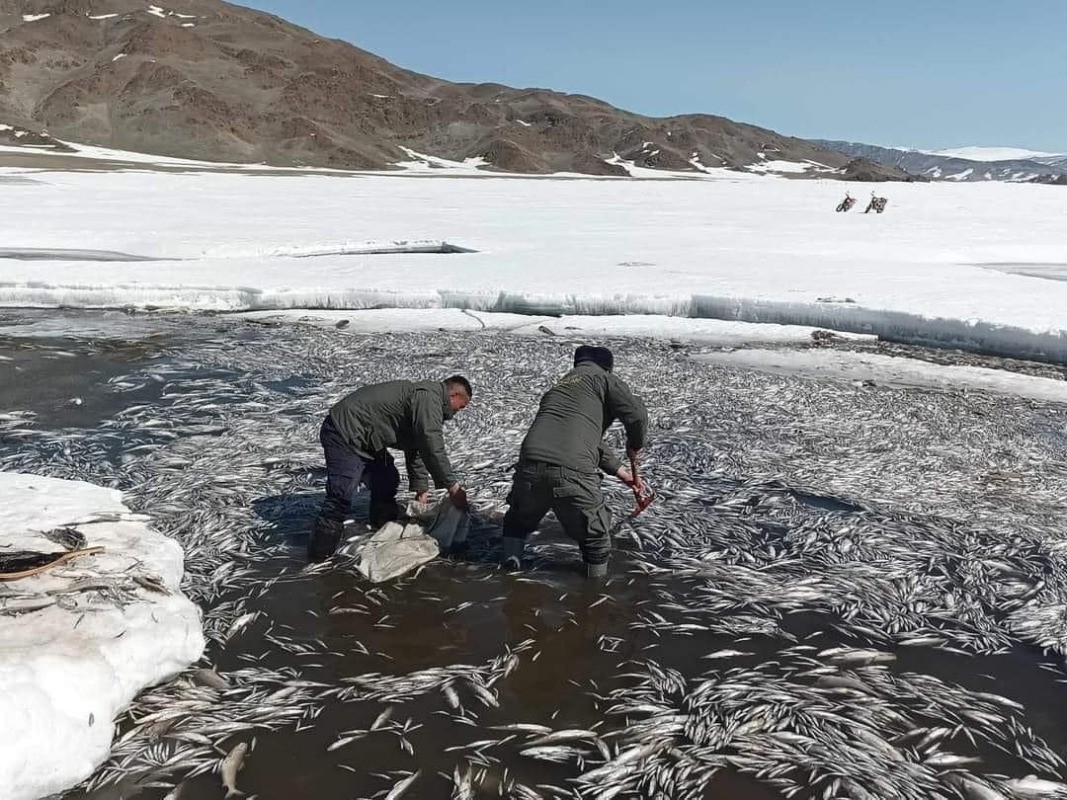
column 512, row 556
column 325, row 537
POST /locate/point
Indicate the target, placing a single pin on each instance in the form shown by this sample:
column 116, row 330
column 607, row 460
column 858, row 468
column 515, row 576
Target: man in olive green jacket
column 356, row 437
column 563, row 454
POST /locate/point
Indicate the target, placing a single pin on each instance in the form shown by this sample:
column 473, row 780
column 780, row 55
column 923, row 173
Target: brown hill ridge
column 208, row 80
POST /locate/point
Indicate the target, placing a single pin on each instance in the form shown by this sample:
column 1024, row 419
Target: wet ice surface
column 1053, row 271
column 842, row 591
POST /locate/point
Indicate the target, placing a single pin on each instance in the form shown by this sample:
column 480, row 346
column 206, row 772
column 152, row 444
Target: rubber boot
column 513, row 550
column 381, row 512
column 325, row 537
column 596, row 570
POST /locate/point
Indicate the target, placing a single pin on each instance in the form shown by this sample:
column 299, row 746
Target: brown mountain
column 208, row 80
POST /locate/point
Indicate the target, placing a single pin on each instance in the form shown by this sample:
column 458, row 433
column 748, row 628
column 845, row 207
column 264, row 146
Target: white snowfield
column 944, row 264
column 990, row 153
column 70, row 666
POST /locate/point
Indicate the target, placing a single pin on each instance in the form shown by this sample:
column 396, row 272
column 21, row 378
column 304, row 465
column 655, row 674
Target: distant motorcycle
column 877, row 204
column 847, row 203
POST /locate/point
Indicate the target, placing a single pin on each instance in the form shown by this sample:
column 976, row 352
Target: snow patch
column 395, row 320
column 719, row 171
column 120, row 55
column 892, row 371
column 68, row 671
column 989, row 153
column 420, row 162
column 780, row 166
column 635, row 171
column 102, row 16
column 524, row 123
column 34, row 17
column 157, row 11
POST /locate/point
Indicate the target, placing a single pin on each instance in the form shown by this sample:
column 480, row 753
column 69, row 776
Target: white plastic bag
column 394, row 550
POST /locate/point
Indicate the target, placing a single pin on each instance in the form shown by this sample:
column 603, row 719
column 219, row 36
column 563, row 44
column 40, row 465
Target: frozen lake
column 949, row 265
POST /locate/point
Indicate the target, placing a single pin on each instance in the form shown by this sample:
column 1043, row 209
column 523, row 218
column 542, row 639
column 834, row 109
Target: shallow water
column 794, row 518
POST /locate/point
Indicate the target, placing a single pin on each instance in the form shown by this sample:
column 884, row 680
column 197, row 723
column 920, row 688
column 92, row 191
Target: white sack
column 394, row 550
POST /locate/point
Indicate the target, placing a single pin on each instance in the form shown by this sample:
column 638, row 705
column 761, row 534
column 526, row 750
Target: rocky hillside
column 208, row 80
column 1045, row 169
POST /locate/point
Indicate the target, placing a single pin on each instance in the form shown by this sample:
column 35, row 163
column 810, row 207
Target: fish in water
column 231, row 765
column 869, row 515
column 401, row 786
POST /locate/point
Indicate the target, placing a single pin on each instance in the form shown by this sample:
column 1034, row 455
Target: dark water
column 699, row 574
column 66, row 383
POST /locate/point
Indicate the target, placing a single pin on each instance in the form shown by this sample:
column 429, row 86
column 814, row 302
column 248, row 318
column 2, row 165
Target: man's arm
column 609, row 462
column 625, row 406
column 427, row 418
column 418, row 477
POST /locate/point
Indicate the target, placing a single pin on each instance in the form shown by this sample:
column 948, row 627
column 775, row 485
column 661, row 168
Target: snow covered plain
column 73, row 656
column 940, row 266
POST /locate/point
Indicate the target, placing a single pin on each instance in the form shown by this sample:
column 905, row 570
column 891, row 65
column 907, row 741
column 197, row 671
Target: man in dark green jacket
column 356, row 437
column 563, row 454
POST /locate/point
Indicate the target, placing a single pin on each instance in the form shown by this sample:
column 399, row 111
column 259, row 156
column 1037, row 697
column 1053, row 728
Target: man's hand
column 422, row 497
column 627, row 477
column 458, row 495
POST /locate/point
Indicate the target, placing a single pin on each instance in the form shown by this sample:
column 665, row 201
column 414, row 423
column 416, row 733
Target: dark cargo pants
column 576, row 498
column 346, row 471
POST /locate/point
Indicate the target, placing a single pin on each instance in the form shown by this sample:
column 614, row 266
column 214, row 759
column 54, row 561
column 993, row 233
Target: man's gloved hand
column 458, row 495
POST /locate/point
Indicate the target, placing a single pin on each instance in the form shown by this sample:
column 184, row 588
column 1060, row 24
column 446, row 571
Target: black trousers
column 346, row 471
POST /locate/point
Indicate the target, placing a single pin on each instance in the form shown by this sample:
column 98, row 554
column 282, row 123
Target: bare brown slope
column 205, row 79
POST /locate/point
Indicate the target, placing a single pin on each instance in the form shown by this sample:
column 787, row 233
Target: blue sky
column 931, row 74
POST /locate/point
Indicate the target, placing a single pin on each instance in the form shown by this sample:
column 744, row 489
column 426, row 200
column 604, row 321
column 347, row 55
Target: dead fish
column 382, row 718
column 231, row 765
column 727, row 654
column 1034, row 787
column 402, row 786
column 209, row 677
column 564, row 736
column 70, row 538
column 462, row 786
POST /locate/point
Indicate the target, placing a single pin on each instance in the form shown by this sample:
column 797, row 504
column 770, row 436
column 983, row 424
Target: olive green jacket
column 404, row 415
column 573, row 416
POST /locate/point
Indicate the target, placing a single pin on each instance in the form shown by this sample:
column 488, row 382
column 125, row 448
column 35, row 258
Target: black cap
column 600, row 356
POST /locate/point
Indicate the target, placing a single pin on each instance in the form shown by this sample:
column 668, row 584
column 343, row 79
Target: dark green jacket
column 573, row 416
column 403, row 415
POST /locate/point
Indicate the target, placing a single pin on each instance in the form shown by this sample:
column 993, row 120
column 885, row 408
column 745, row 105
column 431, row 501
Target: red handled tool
column 643, row 493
